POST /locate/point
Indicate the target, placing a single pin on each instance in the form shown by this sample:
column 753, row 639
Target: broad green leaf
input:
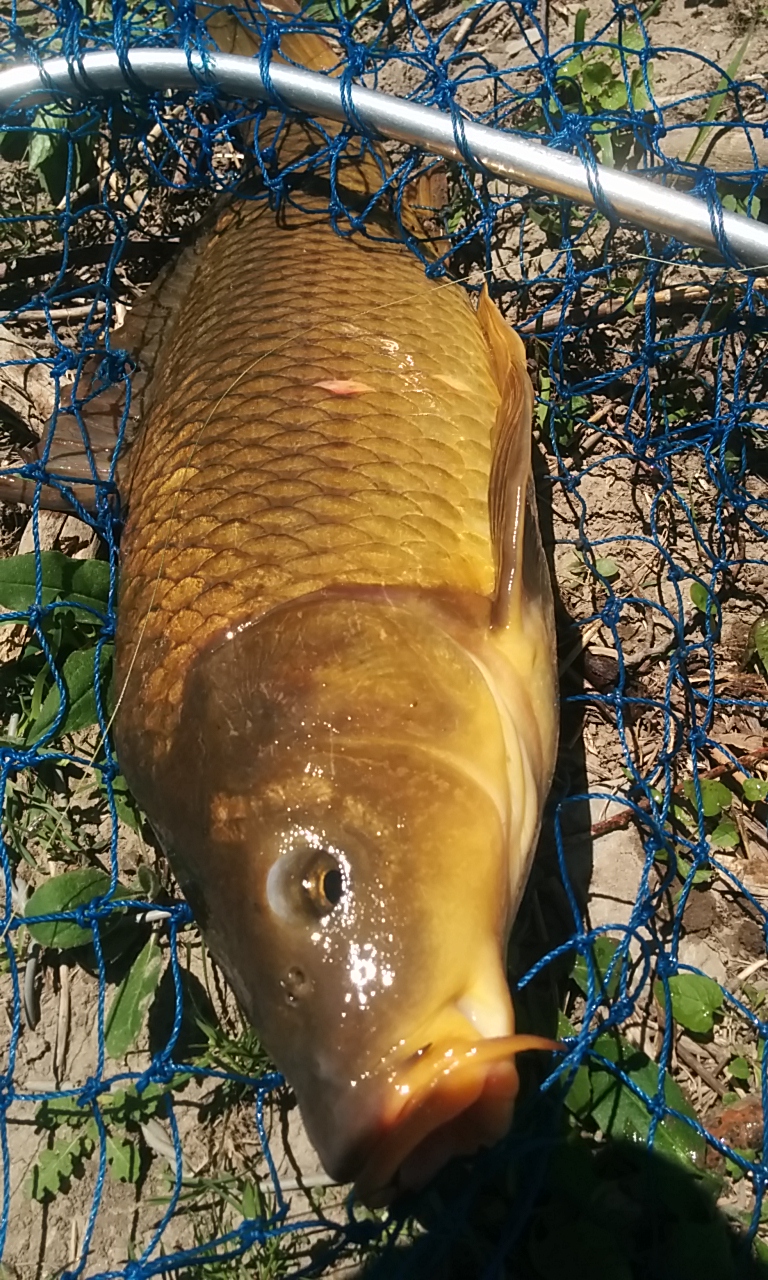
column 603, row 951
column 78, row 676
column 57, row 1165
column 252, row 1203
column 725, row 834
column 132, row 1000
column 569, row 70
column 594, row 78
column 702, row 599
column 619, row 1112
column 632, row 38
column 638, row 93
column 81, row 582
column 758, row 640
column 148, row 882
column 715, row 796
column 127, row 809
column 614, row 95
column 755, row 789
column 123, row 1158
column 54, row 1112
column 695, row 1001
column 579, row 1096
column 578, row 1099
column 607, row 568
column 66, row 892
column 43, row 139
column 739, row 1068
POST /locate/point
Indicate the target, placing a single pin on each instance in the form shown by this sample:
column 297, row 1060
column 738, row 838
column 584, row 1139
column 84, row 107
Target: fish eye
column 323, row 882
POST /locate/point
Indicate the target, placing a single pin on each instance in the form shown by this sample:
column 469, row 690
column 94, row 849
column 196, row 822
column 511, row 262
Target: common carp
column 335, row 673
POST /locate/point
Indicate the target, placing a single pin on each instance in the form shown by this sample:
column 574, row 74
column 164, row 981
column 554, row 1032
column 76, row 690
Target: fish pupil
column 333, row 886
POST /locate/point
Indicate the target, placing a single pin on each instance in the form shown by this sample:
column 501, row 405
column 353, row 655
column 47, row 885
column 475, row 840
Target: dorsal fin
column 510, row 478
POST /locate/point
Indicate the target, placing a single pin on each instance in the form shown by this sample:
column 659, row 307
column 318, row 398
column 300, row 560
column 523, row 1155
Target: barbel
column 637, row 199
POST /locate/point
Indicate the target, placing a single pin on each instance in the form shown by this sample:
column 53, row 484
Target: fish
column 335, row 676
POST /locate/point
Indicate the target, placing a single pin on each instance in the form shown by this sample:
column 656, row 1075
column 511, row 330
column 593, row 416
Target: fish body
column 335, row 666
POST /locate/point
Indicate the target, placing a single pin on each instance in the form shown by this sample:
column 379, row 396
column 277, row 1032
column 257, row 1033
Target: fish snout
column 464, row 1104
column 447, row 1099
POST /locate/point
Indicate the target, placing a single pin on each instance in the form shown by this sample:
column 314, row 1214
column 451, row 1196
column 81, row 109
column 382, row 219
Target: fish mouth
column 450, row 1101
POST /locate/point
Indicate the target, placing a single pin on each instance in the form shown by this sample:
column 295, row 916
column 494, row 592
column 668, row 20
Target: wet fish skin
column 335, row 669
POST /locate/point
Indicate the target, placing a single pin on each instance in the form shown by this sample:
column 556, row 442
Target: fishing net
column 122, row 1047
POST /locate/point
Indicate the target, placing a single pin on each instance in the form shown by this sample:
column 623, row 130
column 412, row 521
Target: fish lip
column 432, row 1095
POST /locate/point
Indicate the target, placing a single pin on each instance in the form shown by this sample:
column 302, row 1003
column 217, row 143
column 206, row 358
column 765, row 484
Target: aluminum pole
column 639, row 200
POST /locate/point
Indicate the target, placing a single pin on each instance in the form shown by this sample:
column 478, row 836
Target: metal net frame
column 178, row 152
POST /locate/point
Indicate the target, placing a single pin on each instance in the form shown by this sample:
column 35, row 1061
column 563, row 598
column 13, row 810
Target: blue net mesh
column 651, row 416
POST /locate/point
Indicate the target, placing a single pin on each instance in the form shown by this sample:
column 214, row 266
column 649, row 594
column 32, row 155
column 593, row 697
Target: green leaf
column 594, row 78
column 607, row 568
column 739, row 1068
column 43, row 139
column 80, row 582
column 755, row 789
column 78, row 676
column 715, row 796
column 632, row 38
column 132, row 1000
column 620, row 1113
column 57, row 1165
column 702, row 599
column 614, row 95
column 725, row 835
column 580, row 25
column 578, row 1099
column 54, row 1112
column 66, row 892
column 733, row 1169
column 123, row 1158
column 603, row 951
column 695, row 1001
column 718, row 97
column 638, row 91
column 758, row 640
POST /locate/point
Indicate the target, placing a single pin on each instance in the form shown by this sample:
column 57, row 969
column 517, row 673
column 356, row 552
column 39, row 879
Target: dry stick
column 622, row 820
column 691, row 1060
column 78, row 312
column 91, row 255
column 62, row 1024
column 675, row 295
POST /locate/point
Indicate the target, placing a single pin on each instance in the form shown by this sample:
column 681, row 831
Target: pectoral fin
column 511, row 500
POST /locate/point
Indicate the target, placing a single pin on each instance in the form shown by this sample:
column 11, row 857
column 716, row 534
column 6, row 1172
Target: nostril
column 295, row 985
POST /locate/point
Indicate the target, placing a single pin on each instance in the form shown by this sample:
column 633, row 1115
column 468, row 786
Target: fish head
column 339, row 821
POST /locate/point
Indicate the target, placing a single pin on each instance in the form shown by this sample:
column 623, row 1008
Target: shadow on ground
column 560, row 1207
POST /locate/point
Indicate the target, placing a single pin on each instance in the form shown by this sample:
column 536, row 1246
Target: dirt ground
column 616, row 507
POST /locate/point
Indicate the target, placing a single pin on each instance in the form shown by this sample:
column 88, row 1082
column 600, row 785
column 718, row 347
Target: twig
column 748, row 972
column 62, row 1022
column 78, row 312
column 90, row 255
column 674, row 295
column 622, row 820
column 691, row 1060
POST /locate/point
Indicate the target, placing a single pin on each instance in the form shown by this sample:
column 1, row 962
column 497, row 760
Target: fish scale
column 251, row 486
column 335, row 668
